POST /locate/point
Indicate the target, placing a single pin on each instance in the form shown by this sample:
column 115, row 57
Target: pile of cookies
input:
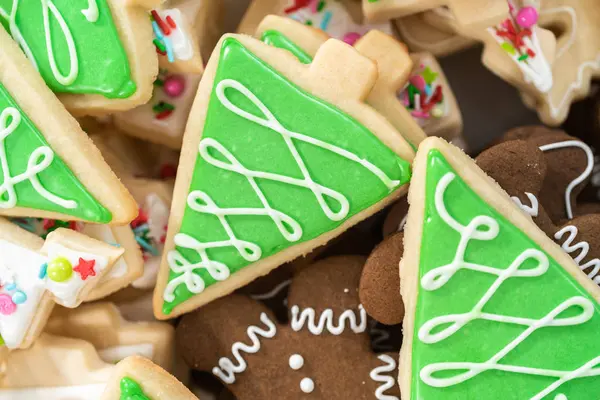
column 291, row 211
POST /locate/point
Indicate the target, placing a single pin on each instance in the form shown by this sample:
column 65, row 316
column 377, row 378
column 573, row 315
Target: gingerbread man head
column 323, row 352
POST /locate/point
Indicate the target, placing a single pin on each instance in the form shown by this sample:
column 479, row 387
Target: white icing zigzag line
column 583, row 248
column 531, row 210
column 39, row 160
column 47, row 5
column 227, row 369
column 289, row 228
column 326, row 320
column 273, row 292
column 438, row 277
column 387, row 382
column 584, row 175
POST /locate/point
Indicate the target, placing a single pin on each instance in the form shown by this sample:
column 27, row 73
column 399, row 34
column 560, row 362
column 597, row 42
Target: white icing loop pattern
column 334, row 205
column 227, row 369
column 39, row 160
column 48, row 8
column 583, row 248
column 307, row 317
column 378, row 374
column 445, row 326
column 584, row 175
column 91, row 13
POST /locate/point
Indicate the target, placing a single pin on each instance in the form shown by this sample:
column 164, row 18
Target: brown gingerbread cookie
column 521, row 166
column 569, row 165
column 323, row 351
column 379, row 289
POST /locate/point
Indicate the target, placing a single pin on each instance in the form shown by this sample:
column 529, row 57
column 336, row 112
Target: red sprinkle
column 171, row 22
column 159, row 51
column 168, row 171
column 298, row 4
column 161, row 24
column 164, row 114
column 531, row 53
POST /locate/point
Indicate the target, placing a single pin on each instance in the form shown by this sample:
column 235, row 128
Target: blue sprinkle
column 142, row 228
column 11, row 286
column 43, row 270
column 326, row 19
column 19, row 297
column 428, row 90
column 115, row 244
column 146, row 246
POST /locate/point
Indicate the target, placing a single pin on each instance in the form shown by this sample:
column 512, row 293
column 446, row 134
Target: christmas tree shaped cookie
column 393, row 65
column 97, row 55
column 278, row 158
column 49, row 168
column 34, row 275
column 138, row 378
column 494, row 309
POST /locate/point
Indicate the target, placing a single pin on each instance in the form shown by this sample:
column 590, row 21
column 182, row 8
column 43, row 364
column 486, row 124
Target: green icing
column 131, row 390
column 56, row 178
column 557, row 348
column 259, row 148
column 103, row 67
column 279, row 40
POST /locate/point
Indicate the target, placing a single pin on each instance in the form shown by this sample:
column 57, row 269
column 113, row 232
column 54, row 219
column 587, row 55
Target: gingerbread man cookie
column 96, row 55
column 50, row 168
column 325, row 335
column 292, row 184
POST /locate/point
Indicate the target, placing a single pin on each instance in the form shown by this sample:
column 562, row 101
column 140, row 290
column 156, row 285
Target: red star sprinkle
column 85, row 268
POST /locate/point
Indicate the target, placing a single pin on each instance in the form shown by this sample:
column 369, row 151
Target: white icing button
column 560, row 397
column 307, row 385
column 296, row 362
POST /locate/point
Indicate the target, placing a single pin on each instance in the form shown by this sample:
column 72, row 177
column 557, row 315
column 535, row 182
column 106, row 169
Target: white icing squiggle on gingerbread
column 583, row 247
column 485, row 228
column 531, row 210
column 582, row 177
column 289, row 228
column 387, row 381
column 227, row 369
column 307, row 317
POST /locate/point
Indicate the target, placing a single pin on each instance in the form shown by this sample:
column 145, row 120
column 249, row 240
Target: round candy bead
column 60, row 269
column 7, row 306
column 527, row 17
column 174, row 85
column 19, row 297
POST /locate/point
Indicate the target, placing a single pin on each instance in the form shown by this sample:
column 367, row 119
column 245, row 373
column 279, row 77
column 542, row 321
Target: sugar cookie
column 286, row 214
column 35, row 274
column 519, row 294
column 138, row 378
column 50, row 168
column 97, row 56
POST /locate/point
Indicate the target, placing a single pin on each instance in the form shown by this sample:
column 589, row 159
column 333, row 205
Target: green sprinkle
column 160, row 45
column 321, row 6
column 523, row 57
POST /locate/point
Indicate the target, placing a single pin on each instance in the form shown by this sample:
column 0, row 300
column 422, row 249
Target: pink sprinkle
column 420, row 114
column 405, row 99
column 351, row 38
column 7, row 306
column 419, row 82
column 527, row 17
